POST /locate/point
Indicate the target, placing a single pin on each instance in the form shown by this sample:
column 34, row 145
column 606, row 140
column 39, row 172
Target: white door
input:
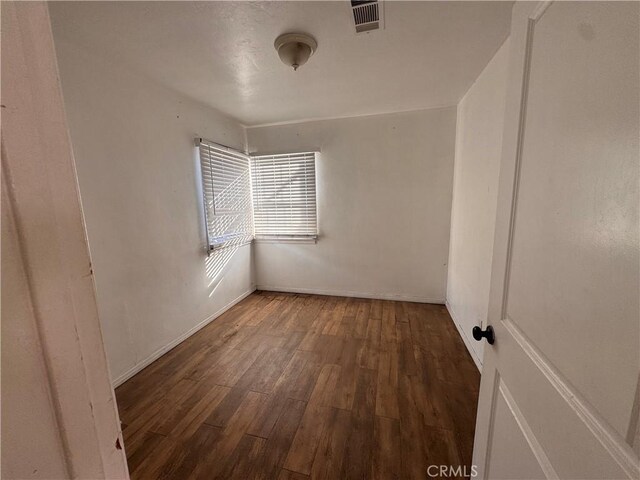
column 559, row 394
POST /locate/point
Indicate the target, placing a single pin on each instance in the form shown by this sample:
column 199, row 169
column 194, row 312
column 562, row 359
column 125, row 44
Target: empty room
column 289, row 240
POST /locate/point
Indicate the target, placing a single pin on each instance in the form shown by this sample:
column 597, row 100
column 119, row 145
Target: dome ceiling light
column 294, row 49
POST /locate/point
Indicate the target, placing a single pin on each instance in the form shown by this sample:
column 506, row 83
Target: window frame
column 285, row 237
column 241, row 237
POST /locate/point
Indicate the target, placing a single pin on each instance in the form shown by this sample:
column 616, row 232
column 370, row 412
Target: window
column 284, row 196
column 226, row 193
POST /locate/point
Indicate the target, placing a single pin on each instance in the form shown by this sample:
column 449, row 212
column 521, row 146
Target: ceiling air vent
column 367, row 15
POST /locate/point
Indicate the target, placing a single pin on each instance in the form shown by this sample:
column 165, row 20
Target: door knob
column 487, row 333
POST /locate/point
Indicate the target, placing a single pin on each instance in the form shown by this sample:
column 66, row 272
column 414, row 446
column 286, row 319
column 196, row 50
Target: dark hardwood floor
column 287, row 386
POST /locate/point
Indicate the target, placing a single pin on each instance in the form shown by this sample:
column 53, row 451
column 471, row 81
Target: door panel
column 565, row 434
column 511, row 437
column 578, row 200
column 559, row 385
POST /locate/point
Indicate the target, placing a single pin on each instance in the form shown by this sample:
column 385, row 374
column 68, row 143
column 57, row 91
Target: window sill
column 227, row 245
column 283, row 239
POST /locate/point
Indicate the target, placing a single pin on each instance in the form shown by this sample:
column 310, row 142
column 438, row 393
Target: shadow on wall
column 228, row 212
column 224, row 198
column 230, row 226
column 215, row 264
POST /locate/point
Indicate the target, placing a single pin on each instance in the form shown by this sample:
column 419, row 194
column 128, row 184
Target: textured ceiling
column 221, row 53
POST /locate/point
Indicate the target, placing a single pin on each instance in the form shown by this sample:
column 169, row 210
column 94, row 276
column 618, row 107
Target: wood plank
column 344, row 392
column 308, row 314
column 386, row 458
column 387, row 392
column 296, row 382
column 213, row 355
column 332, row 326
column 150, row 418
column 304, row 386
column 243, row 459
column 279, row 443
column 414, row 464
column 270, row 308
column 370, row 351
column 328, row 459
column 388, row 324
column 158, row 455
column 289, row 475
column 287, row 312
column 232, row 434
column 402, row 311
column 137, row 452
column 191, row 419
column 301, row 387
column 347, row 323
column 361, row 320
column 312, row 425
column 406, row 358
column 231, row 368
column 263, row 374
column 266, row 418
column 223, row 412
column 183, row 459
column 359, row 447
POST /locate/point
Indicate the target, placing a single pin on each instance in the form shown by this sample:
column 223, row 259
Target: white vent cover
column 367, row 15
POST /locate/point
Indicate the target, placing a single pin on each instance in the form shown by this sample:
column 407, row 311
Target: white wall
column 384, row 196
column 475, row 195
column 133, row 143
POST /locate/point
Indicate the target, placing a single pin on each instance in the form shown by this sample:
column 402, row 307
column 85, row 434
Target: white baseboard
column 346, row 293
column 467, row 341
column 161, row 351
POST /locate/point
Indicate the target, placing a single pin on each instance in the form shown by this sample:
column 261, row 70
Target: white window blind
column 226, row 193
column 284, row 195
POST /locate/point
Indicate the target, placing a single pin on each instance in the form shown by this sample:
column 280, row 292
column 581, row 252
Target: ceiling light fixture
column 294, row 49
